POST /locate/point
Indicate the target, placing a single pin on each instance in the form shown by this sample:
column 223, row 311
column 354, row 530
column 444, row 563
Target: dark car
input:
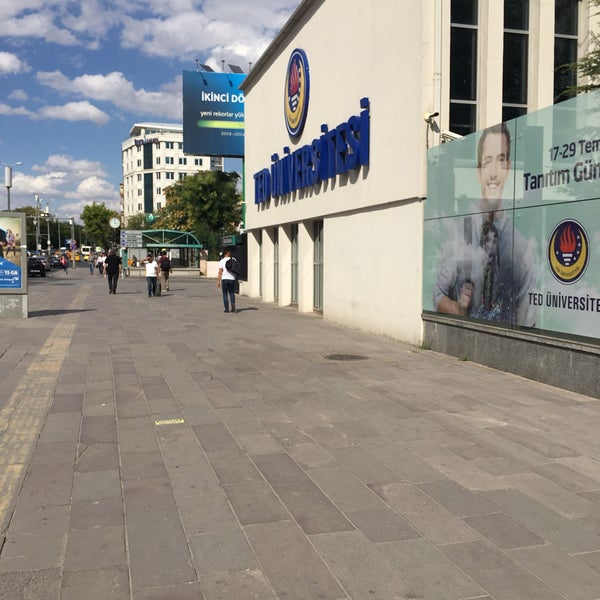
column 55, row 262
column 36, row 266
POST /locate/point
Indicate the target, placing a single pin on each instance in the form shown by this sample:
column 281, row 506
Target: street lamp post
column 37, row 222
column 48, row 230
column 72, row 222
column 8, row 180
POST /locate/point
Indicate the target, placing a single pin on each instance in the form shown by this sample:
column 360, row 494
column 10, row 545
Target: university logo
column 568, row 251
column 297, row 87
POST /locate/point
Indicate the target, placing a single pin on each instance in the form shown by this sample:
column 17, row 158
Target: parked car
column 55, row 262
column 36, row 266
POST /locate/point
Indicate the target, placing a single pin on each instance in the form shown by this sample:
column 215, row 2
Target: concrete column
column 305, row 267
column 252, row 286
column 540, row 90
column 491, row 49
column 285, row 265
column 267, row 265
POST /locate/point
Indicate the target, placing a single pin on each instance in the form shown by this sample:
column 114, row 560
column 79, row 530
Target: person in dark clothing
column 112, row 268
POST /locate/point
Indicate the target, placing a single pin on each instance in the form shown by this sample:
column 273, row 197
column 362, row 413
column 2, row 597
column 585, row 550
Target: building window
column 515, row 63
column 169, row 160
column 198, row 162
column 140, row 207
column 182, row 175
column 158, row 191
column 169, row 145
column 182, row 161
column 463, row 66
column 566, row 24
column 158, row 160
column 157, row 175
column 139, row 177
column 180, row 145
column 169, row 175
column 140, row 192
column 158, row 205
column 139, row 162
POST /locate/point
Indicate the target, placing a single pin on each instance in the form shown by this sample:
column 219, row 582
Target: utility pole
column 72, row 222
column 37, row 222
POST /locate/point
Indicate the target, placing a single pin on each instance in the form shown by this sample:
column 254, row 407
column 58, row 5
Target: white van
column 85, row 252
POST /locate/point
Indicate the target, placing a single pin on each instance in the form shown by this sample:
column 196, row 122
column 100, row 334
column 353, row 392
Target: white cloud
column 65, row 183
column 37, row 25
column 73, row 111
column 178, row 28
column 115, row 88
column 18, row 95
column 11, row 64
column 9, row 110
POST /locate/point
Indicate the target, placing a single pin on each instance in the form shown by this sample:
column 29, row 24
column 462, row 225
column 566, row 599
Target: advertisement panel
column 213, row 114
column 13, row 253
column 512, row 223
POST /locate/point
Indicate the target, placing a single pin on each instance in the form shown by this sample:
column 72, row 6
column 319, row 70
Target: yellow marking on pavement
column 169, row 422
column 23, row 415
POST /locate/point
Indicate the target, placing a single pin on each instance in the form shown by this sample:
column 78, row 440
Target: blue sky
column 75, row 76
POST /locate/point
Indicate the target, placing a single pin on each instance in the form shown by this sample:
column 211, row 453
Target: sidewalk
column 159, row 449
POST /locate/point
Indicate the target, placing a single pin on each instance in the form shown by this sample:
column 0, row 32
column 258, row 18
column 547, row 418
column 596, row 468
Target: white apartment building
column 153, row 159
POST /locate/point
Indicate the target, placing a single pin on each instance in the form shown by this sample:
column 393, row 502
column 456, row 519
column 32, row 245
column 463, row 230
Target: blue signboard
column 13, row 253
column 10, row 274
column 213, row 114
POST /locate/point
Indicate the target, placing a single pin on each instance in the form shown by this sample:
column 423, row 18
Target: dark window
column 462, row 118
column 512, row 112
column 515, row 63
column 516, row 15
column 148, row 189
column 147, row 156
column 565, row 47
column 565, row 52
column 514, row 81
column 565, row 17
column 463, row 58
column 464, row 11
column 463, row 66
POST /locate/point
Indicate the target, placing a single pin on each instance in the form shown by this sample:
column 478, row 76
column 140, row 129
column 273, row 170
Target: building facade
column 342, row 234
column 153, row 159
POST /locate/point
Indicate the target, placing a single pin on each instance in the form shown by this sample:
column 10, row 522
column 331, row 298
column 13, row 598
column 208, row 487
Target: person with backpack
column 226, row 279
column 164, row 270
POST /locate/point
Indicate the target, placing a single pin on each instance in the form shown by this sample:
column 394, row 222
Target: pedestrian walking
column 226, row 281
column 100, row 263
column 92, row 263
column 151, row 274
column 112, row 266
column 64, row 263
column 164, row 270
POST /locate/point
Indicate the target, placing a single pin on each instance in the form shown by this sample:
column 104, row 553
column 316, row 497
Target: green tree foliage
column 138, row 222
column 206, row 204
column 588, row 66
column 96, row 219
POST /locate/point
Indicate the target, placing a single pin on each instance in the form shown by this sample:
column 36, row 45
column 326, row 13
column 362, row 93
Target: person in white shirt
column 151, row 274
column 226, row 281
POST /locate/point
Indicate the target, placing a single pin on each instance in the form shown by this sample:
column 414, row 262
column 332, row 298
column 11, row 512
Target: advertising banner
column 13, row 253
column 512, row 222
column 213, row 114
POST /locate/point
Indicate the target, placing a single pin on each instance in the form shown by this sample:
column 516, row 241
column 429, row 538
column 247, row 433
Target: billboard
column 512, row 222
column 13, row 253
column 213, row 114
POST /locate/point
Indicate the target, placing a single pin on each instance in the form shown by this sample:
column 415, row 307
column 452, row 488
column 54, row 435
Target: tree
column 588, row 66
column 96, row 219
column 206, row 204
column 137, row 222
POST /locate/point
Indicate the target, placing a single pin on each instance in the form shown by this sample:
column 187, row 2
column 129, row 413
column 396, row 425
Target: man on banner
column 487, row 267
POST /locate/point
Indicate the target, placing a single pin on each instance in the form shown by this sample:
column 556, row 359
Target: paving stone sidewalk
column 159, row 449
